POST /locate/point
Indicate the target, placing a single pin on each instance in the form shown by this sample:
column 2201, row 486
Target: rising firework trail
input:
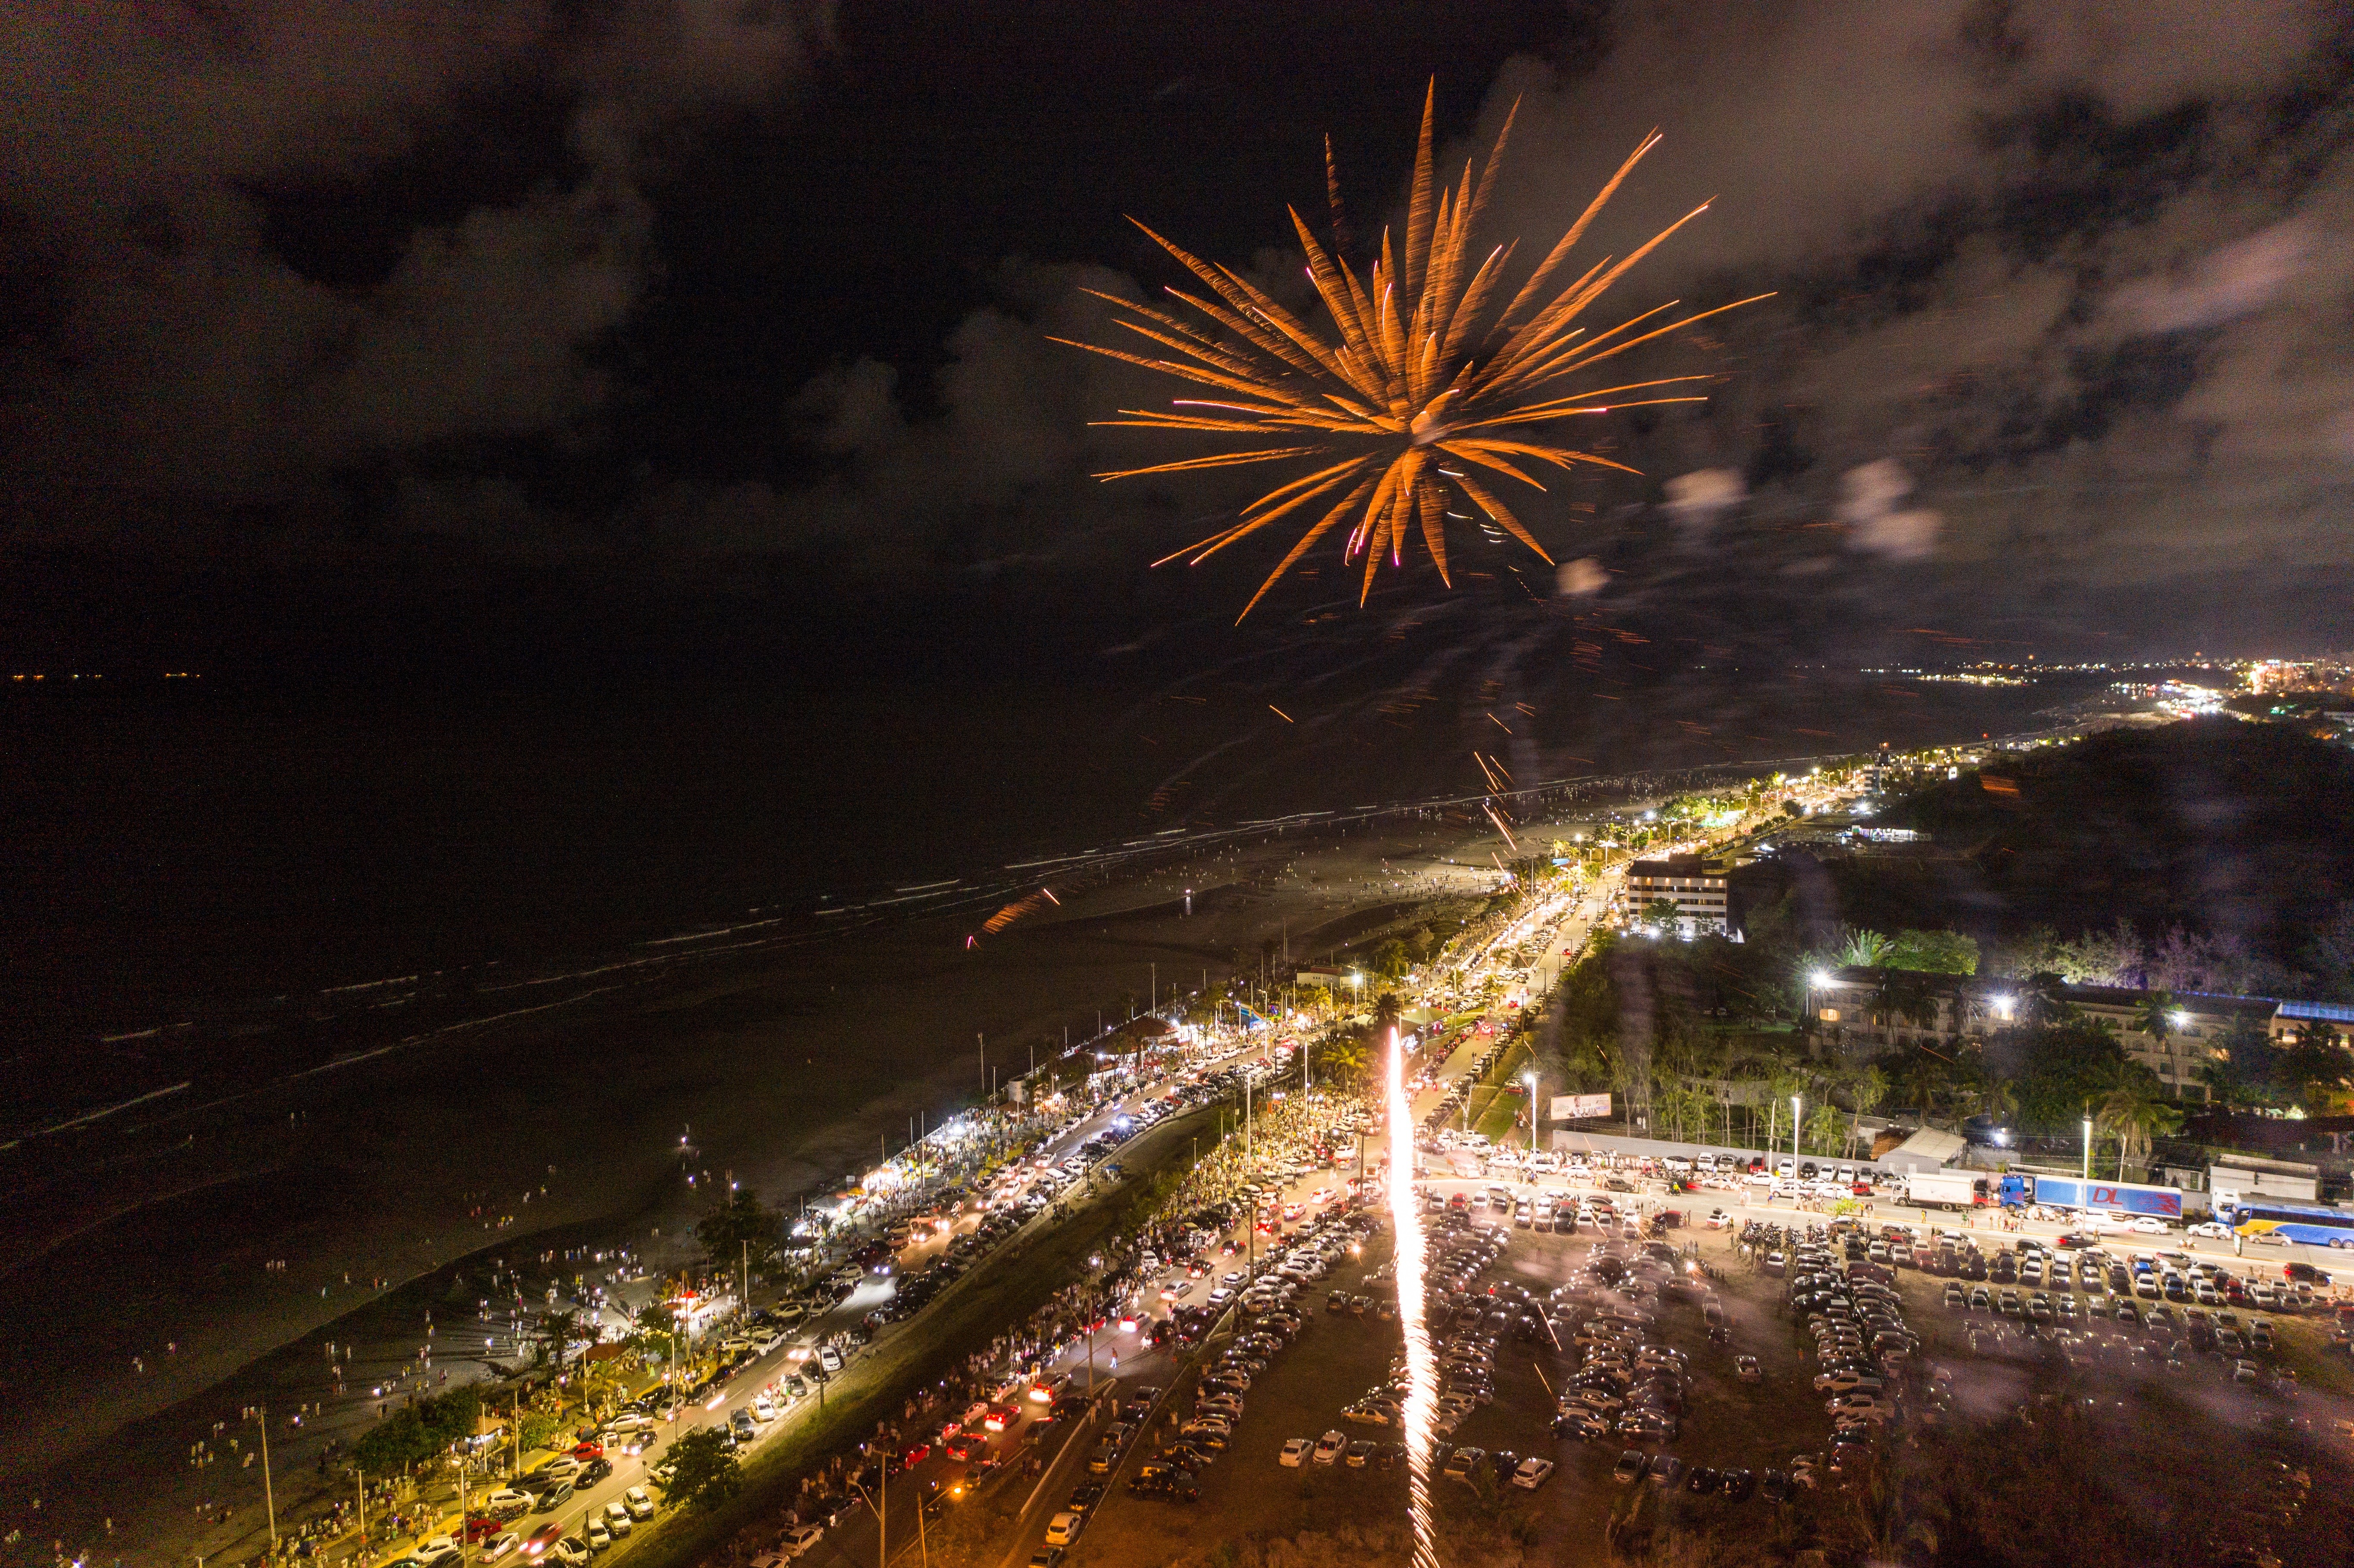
column 1422, row 378
column 1413, row 1254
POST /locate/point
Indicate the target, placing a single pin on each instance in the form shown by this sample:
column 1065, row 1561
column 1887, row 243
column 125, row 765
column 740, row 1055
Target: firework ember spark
column 1412, row 1254
column 1424, row 379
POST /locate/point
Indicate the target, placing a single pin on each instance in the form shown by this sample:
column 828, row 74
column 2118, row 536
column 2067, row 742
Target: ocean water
column 238, row 866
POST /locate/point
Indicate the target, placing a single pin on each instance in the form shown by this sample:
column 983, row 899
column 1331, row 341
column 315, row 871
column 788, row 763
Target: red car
column 587, row 1448
column 481, row 1528
column 545, row 1536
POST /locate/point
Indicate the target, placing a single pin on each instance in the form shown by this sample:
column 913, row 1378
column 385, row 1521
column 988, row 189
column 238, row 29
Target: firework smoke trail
column 1421, row 1366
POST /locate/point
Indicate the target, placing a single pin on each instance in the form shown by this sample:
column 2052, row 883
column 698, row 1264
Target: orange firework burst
column 1426, row 381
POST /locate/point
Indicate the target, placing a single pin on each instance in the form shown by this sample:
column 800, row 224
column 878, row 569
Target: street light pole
column 268, row 1499
column 1795, row 1101
column 2088, row 1150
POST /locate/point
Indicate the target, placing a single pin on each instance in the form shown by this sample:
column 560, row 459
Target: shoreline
column 711, row 1047
column 264, row 1338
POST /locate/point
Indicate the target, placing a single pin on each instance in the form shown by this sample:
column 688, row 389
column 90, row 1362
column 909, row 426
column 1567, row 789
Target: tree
column 1386, row 1010
column 1865, row 949
column 698, row 1471
column 1923, row 1080
column 658, row 1330
column 1825, row 1128
column 556, row 1331
column 535, row 1429
column 1660, row 914
column 2156, row 1018
column 2136, row 1111
column 1902, row 994
column 1391, row 960
column 2042, row 1003
column 1870, row 1087
column 1934, row 952
column 742, row 1222
column 1342, row 1058
column 420, row 1433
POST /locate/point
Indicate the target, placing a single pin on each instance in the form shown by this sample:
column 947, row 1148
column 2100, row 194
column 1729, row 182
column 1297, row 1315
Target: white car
column 1531, row 1473
column 800, row 1539
column 618, row 1520
column 1063, row 1528
column 1295, row 1452
column 2148, row 1227
column 1329, row 1447
column 640, row 1504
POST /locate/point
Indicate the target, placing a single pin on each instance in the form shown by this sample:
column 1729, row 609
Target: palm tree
column 1999, row 1099
column 1344, row 1057
column 1867, row 1089
column 1923, row 1078
column 1825, row 1128
column 556, row 1332
column 2156, row 1018
column 2136, row 1114
column 1865, row 949
column 2042, row 1003
column 1386, row 1011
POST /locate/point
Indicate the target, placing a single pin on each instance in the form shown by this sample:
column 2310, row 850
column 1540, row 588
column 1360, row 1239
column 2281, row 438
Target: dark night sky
column 527, row 329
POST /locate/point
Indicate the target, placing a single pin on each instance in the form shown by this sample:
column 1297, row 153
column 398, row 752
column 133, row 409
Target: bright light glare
column 1421, row 1366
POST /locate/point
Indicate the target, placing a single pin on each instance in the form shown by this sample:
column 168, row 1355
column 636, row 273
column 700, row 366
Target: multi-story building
column 1867, row 1010
column 1688, row 880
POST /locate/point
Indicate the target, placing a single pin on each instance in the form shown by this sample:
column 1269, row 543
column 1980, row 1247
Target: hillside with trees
column 2215, row 854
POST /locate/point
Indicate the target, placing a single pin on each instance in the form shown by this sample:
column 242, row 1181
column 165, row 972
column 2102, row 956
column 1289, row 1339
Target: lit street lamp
column 2088, row 1150
column 1794, row 1125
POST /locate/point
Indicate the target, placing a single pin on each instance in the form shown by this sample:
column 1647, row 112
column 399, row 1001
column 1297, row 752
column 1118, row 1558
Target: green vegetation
column 420, row 1434
column 739, row 1226
column 2146, row 827
column 699, row 1471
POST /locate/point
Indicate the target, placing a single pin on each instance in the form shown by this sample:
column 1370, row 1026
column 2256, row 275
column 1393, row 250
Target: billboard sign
column 1580, row 1107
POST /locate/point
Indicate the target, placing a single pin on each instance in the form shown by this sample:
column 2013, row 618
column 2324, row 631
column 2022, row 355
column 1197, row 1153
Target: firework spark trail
column 1424, row 379
column 1412, row 1256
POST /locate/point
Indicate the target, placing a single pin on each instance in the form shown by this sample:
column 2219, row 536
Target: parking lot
column 1753, row 1404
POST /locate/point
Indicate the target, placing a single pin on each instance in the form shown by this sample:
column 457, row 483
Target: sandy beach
column 784, row 1068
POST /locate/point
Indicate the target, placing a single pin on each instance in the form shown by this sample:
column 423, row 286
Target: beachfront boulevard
column 927, row 1334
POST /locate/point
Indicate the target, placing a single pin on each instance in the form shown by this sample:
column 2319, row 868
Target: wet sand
column 786, row 1068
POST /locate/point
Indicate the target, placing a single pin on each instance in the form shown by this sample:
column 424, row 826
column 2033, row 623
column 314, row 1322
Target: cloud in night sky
column 2078, row 272
column 2067, row 278
column 165, row 341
